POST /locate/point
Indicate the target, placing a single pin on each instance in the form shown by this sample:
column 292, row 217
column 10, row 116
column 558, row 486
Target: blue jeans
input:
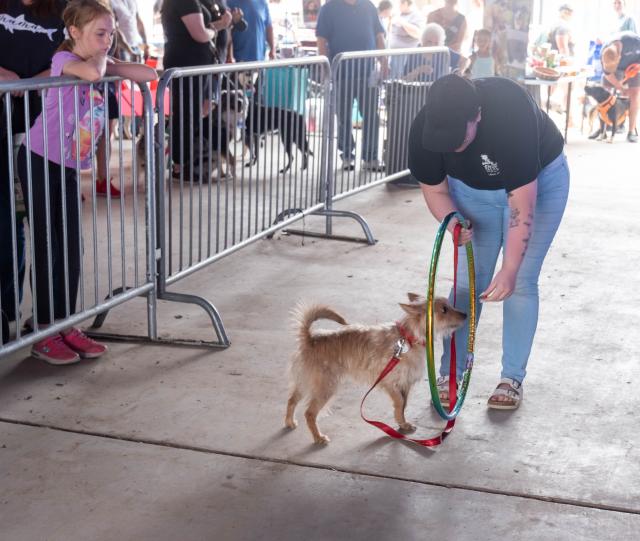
column 367, row 99
column 489, row 212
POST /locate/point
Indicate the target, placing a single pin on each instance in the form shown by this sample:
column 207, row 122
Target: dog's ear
column 413, row 296
column 412, row 309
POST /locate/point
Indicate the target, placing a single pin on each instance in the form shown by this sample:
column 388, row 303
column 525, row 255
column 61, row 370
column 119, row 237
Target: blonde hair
column 610, row 58
column 79, row 13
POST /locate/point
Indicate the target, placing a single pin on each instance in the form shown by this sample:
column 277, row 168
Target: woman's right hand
column 466, row 233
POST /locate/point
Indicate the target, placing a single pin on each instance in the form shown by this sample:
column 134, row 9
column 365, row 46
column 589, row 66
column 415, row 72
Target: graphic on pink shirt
column 83, row 135
column 91, row 118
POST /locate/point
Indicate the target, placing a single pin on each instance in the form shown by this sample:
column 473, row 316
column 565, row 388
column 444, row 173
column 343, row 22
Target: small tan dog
column 324, row 357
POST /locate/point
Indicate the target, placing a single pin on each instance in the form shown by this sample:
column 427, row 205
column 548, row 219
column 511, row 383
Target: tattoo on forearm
column 514, row 220
column 529, row 224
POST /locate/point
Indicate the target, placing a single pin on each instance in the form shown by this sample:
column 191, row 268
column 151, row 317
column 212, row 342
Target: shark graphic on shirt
column 12, row 24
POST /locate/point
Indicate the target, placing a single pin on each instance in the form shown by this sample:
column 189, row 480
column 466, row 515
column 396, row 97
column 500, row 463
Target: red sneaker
column 101, row 188
column 83, row 345
column 53, row 350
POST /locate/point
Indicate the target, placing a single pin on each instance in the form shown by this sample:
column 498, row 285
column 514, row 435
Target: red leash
column 393, row 362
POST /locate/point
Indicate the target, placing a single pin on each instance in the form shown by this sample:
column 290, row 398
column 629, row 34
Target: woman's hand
column 466, row 233
column 8, row 75
column 501, row 287
column 236, row 15
column 223, row 23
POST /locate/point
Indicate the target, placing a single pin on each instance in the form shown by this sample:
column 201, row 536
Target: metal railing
column 83, row 254
column 380, row 92
column 241, row 154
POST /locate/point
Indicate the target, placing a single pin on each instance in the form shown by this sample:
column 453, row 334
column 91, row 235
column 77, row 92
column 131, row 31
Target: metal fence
column 375, row 96
column 232, row 152
column 82, row 253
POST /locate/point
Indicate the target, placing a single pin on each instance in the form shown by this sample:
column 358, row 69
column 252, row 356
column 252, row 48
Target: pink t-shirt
column 86, row 120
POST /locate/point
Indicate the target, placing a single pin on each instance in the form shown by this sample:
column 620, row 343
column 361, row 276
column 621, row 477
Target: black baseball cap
column 452, row 101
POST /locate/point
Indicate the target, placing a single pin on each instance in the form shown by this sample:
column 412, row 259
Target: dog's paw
column 407, row 427
column 290, row 423
column 322, row 440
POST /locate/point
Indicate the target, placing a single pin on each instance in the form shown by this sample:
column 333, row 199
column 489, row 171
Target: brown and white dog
column 323, row 358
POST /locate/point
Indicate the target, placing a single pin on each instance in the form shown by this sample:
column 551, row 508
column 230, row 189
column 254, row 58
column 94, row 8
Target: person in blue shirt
column 251, row 45
column 354, row 25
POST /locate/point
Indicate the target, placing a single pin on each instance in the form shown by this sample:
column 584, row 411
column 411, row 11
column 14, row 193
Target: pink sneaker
column 53, row 350
column 82, row 344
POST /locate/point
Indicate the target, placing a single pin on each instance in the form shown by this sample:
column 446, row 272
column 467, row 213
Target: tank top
column 483, row 66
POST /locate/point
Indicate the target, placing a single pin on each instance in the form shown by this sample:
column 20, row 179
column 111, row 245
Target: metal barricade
column 375, row 96
column 83, row 254
column 241, row 153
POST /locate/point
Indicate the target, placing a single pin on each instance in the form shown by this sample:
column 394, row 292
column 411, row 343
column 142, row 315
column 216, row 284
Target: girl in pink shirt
column 60, row 142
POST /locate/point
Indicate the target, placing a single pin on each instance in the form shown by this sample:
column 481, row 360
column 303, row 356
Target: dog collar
column 408, row 337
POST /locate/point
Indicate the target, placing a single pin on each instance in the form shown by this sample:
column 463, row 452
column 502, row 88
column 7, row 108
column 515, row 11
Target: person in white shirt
column 404, row 32
column 131, row 27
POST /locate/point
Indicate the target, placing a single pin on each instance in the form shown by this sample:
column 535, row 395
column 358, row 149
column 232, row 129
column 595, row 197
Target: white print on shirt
column 492, row 168
column 18, row 23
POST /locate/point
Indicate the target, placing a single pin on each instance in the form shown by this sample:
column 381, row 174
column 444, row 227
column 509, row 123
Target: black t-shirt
column 514, row 141
column 180, row 48
column 28, row 42
column 630, row 53
column 27, row 45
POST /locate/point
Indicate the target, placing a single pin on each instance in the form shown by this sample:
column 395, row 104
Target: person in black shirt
column 617, row 57
column 30, row 33
column 485, row 149
column 189, row 41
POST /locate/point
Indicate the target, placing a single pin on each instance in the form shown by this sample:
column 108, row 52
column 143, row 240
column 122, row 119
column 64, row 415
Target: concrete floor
column 165, row 443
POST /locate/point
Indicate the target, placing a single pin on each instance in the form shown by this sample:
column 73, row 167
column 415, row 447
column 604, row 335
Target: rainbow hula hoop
column 431, row 370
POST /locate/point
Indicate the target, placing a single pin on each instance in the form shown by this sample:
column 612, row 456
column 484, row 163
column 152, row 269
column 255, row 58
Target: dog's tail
column 306, row 315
